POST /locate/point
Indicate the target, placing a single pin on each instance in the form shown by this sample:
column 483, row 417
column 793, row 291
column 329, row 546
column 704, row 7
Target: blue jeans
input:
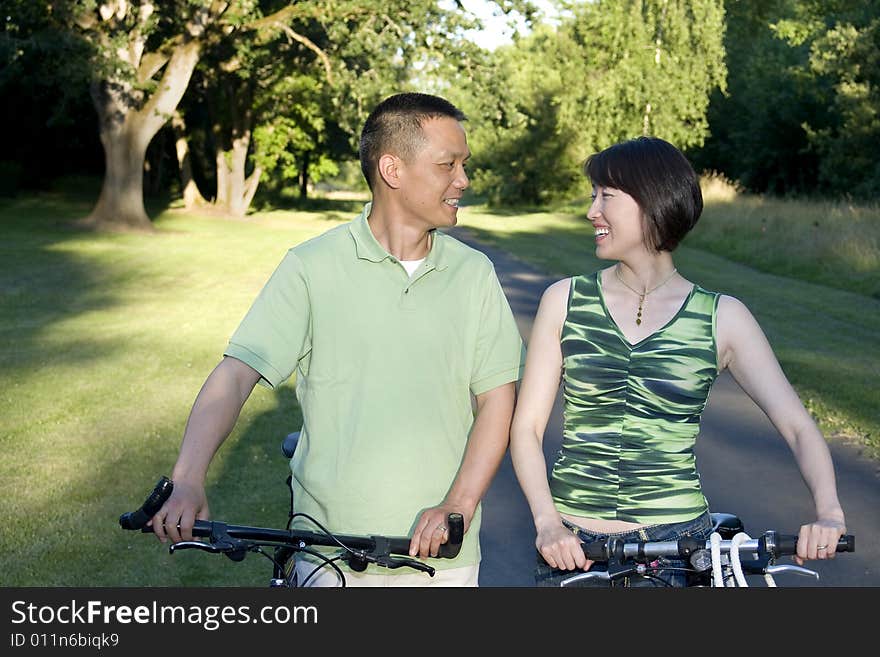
column 699, row 527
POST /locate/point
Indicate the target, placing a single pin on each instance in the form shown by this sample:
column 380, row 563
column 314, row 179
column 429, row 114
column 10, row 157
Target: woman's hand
column 818, row 540
column 561, row 548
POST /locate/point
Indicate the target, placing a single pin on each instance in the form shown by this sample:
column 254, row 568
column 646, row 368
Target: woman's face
column 617, row 220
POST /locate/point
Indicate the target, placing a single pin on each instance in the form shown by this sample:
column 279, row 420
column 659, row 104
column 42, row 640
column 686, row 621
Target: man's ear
column 389, row 169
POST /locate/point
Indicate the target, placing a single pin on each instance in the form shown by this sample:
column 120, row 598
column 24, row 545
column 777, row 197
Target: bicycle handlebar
column 770, row 543
column 138, row 519
column 215, row 530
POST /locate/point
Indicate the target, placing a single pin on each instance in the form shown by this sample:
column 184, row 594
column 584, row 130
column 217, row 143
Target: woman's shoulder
column 730, row 304
column 556, row 294
column 580, row 281
column 735, row 322
column 560, row 287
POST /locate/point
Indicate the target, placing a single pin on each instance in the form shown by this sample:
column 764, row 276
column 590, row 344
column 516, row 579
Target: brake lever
column 233, row 549
column 604, row 576
column 195, row 545
column 358, row 562
column 399, row 562
column 789, row 568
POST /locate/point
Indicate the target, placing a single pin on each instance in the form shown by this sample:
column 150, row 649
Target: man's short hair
column 660, row 179
column 395, row 126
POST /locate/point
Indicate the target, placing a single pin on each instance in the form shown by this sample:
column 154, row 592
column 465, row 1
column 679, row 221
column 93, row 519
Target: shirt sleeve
column 500, row 354
column 275, row 333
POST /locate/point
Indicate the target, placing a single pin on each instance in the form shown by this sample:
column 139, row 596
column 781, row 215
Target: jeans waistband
column 699, row 526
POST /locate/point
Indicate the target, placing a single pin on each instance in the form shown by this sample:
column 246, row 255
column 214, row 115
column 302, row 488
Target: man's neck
column 399, row 238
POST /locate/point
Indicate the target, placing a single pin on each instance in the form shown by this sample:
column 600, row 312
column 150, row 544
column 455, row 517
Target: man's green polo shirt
column 385, row 366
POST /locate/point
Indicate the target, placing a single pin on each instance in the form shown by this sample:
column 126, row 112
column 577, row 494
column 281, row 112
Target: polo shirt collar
column 368, row 248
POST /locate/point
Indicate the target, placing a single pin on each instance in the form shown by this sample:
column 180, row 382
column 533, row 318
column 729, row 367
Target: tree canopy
column 608, row 72
column 252, row 97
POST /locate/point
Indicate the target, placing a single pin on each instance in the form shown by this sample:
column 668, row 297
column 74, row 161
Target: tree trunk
column 121, row 203
column 235, row 191
column 304, row 177
column 125, row 134
column 192, row 197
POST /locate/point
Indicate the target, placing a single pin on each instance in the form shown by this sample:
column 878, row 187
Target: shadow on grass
column 327, row 206
column 42, row 282
column 508, row 212
column 246, row 486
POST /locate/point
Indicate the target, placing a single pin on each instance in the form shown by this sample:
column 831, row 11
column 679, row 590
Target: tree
column 290, row 101
column 801, row 112
column 44, row 76
column 144, row 57
column 757, row 134
column 609, row 71
column 133, row 44
column 844, row 60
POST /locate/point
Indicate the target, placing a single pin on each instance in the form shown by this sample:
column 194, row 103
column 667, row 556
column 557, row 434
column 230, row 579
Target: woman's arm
column 559, row 547
column 745, row 351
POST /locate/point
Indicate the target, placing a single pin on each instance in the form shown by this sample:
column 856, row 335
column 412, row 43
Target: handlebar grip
column 787, row 544
column 448, row 550
column 452, row 546
column 138, row 519
column 847, row 543
column 596, row 550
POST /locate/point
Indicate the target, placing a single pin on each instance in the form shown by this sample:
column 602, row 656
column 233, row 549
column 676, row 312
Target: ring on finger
column 442, row 528
column 821, row 547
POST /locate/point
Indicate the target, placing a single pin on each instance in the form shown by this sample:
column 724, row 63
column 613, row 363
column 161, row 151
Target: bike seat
column 288, row 446
column 727, row 525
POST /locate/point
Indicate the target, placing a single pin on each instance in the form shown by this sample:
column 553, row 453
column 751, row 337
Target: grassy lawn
column 108, row 337
column 106, row 342
column 825, row 338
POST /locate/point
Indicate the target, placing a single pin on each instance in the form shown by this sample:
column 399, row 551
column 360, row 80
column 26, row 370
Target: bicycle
column 236, row 541
column 717, row 562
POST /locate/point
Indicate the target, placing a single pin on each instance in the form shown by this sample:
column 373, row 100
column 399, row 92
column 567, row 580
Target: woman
column 638, row 348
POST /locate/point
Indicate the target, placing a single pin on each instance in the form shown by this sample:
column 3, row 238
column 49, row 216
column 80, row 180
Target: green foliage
column 849, row 55
column 304, row 83
column 801, row 112
column 44, row 82
column 609, row 71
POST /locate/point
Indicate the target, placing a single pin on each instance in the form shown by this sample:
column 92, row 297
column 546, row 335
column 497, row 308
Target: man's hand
column 187, row 503
column 431, row 531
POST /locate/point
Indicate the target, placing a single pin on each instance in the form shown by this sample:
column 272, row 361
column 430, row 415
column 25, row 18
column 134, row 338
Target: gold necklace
column 642, row 295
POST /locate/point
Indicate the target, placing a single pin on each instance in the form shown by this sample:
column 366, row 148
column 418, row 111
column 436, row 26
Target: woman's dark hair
column 395, row 126
column 660, row 179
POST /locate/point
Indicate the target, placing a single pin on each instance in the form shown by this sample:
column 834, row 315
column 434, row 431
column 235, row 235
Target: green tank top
column 632, row 411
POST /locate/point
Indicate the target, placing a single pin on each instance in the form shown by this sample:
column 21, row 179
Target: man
column 390, row 326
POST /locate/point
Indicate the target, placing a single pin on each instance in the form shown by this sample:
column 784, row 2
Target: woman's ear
column 389, row 169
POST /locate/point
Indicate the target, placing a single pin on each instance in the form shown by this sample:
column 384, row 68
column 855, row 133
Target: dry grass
column 832, row 243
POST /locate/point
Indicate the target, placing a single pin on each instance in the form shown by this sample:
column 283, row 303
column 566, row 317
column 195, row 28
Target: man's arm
column 485, row 449
column 211, row 420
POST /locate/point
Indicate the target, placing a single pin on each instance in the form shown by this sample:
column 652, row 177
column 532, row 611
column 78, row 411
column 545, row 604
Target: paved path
column 746, row 468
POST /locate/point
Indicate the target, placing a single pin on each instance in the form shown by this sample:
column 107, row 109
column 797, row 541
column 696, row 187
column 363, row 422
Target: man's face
column 433, row 180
